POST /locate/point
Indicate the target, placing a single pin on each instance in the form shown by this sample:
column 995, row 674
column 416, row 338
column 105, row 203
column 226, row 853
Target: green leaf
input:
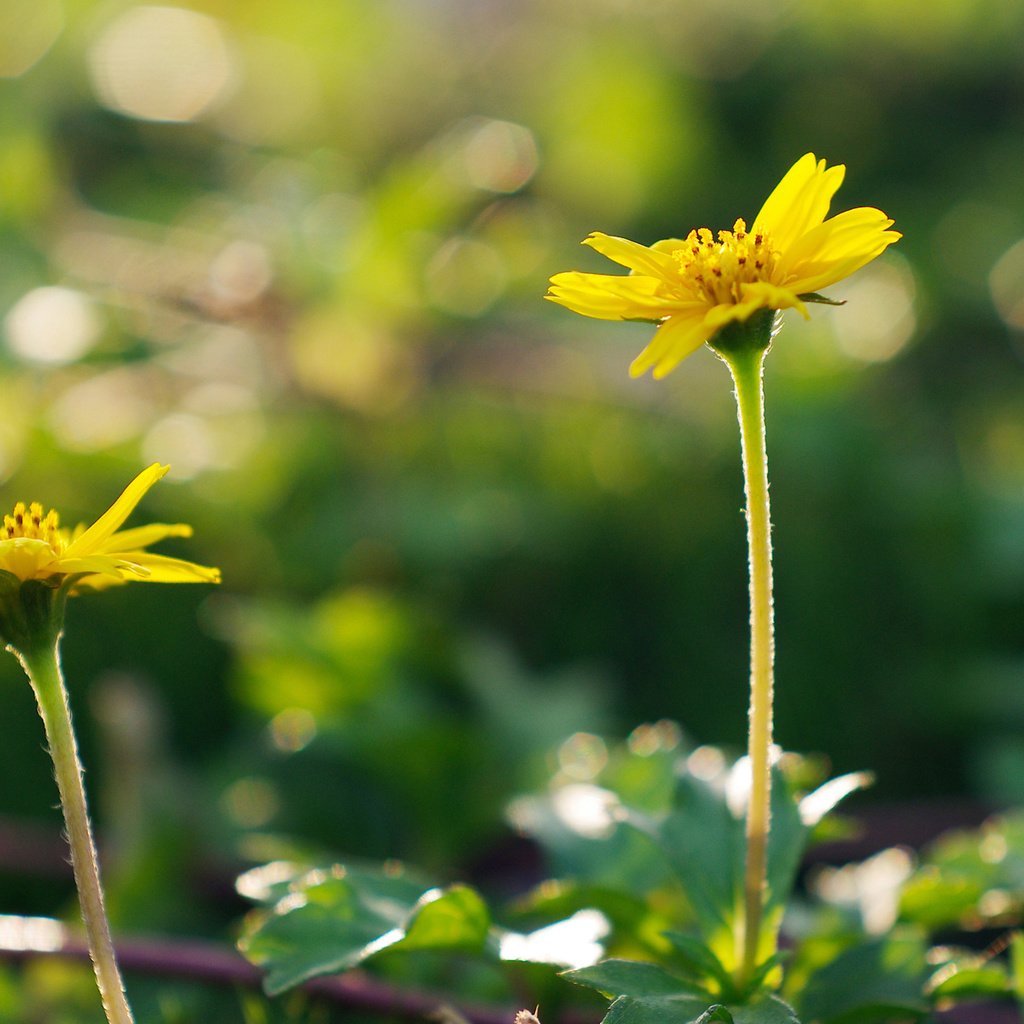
column 456, row 918
column 871, row 982
column 697, row 960
column 935, row 900
column 629, row 915
column 703, row 844
column 331, row 920
column 664, row 1010
column 787, row 842
column 990, row 979
column 631, row 978
column 614, row 856
column 824, row 799
column 769, row 1010
column 706, row 847
column 764, row 969
column 691, row 1010
column 1017, row 964
column 716, row 1013
column 815, row 297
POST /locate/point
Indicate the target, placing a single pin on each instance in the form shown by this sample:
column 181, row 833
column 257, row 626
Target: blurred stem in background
column 743, row 347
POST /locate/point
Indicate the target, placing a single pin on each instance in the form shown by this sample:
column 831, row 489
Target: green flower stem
column 746, row 365
column 41, row 662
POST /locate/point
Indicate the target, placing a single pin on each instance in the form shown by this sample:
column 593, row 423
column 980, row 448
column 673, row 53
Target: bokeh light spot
column 240, row 272
column 1006, row 283
column 878, row 319
column 184, row 441
column 655, row 737
column 251, row 802
column 52, row 325
column 161, row 64
column 101, row 411
column 500, row 156
column 292, row 730
column 352, row 362
column 582, row 756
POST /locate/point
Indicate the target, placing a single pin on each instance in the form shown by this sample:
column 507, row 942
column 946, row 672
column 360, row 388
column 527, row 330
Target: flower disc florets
column 30, row 522
column 715, row 270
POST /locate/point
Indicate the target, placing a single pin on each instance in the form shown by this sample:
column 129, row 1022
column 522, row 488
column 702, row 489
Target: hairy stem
column 42, row 665
column 747, row 367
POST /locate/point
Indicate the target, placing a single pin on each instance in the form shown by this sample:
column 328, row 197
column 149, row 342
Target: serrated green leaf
column 664, row 1010
column 871, row 982
column 691, row 1010
column 631, row 978
column 331, row 920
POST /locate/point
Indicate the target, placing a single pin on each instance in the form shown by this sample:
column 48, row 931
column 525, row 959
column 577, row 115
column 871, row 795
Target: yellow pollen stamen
column 29, row 522
column 716, row 269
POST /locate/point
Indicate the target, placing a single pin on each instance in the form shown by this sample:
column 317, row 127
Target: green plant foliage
column 691, row 1010
column 969, row 981
column 869, row 983
column 1017, row 965
column 697, row 961
column 323, row 921
column 970, row 879
column 683, row 821
column 631, row 978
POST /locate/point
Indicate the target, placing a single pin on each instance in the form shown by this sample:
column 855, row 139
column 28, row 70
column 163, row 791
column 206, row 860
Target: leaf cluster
column 648, row 856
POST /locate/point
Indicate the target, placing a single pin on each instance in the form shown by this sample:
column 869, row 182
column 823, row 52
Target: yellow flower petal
column 608, row 296
column 108, row 523
column 27, row 558
column 674, row 340
column 756, row 295
column 107, row 565
column 800, row 201
column 161, row 569
column 669, row 245
column 143, row 536
column 836, row 249
column 639, row 258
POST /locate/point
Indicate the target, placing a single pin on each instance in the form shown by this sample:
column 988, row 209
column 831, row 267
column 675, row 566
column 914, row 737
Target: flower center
column 716, row 269
column 31, row 523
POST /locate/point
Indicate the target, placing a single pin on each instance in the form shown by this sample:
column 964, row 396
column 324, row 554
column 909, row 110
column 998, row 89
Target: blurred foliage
column 298, row 251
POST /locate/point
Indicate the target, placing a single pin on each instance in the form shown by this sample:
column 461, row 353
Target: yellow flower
column 693, row 287
column 34, row 546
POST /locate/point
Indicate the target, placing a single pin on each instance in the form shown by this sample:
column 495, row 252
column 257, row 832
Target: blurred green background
column 298, row 252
